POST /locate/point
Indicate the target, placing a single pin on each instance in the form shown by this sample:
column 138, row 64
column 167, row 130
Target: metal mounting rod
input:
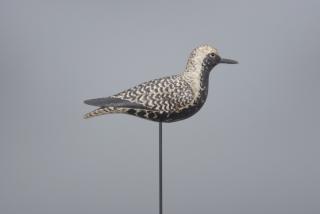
column 160, row 168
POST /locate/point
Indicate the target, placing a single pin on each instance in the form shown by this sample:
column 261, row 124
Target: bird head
column 204, row 58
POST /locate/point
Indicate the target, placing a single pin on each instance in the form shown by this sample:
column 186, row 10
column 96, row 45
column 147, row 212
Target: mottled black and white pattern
column 165, row 94
column 166, row 99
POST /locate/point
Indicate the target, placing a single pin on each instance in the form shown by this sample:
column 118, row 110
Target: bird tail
column 104, row 110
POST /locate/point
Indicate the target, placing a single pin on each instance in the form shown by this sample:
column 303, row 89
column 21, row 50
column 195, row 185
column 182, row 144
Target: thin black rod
column 160, row 168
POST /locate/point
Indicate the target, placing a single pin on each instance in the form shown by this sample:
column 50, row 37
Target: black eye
column 212, row 54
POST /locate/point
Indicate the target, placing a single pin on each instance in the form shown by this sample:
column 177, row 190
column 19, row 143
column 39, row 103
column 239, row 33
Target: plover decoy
column 166, row 99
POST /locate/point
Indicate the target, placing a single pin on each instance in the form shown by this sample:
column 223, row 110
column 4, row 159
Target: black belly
column 164, row 116
column 173, row 116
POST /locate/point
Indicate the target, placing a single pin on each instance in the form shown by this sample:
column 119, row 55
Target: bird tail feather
column 104, row 110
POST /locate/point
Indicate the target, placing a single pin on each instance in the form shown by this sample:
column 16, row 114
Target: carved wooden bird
column 166, row 99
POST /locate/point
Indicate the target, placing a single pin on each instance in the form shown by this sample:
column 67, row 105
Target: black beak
column 228, row 61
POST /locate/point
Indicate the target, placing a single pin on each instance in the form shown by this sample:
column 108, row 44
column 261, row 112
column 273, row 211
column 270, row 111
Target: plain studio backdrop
column 252, row 149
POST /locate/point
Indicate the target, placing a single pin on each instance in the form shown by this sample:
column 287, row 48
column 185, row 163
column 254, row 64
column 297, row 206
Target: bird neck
column 198, row 79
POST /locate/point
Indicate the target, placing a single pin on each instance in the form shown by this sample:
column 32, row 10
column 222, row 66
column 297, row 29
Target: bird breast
column 194, row 80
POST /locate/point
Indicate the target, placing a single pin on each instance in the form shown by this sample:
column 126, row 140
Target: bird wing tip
column 87, row 102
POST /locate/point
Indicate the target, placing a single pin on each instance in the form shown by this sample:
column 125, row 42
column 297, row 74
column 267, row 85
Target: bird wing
column 112, row 102
column 168, row 94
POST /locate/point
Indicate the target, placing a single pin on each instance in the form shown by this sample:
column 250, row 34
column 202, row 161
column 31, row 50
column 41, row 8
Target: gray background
column 252, row 149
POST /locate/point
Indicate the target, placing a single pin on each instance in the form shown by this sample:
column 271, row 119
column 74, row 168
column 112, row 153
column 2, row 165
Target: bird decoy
column 166, row 99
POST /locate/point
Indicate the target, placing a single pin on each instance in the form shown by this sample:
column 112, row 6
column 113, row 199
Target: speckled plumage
column 166, row 99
